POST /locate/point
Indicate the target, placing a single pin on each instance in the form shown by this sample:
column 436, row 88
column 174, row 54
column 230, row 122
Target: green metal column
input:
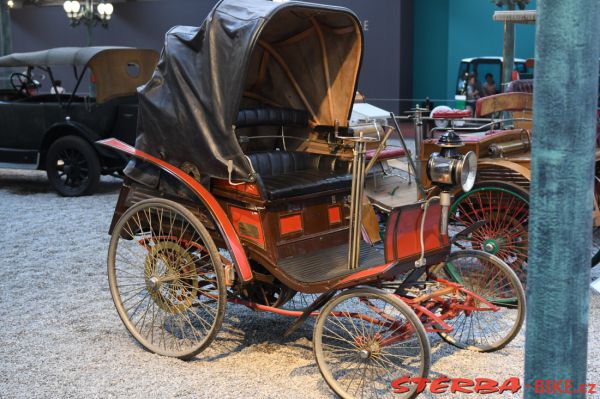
column 564, row 136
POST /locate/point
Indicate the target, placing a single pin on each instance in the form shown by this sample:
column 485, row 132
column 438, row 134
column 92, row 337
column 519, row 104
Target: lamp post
column 90, row 13
column 5, row 39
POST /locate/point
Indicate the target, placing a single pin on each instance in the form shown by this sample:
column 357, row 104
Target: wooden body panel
column 520, row 105
column 293, row 227
column 402, row 237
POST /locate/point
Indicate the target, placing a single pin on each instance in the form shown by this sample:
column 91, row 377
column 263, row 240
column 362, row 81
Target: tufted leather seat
column 271, row 117
column 283, row 174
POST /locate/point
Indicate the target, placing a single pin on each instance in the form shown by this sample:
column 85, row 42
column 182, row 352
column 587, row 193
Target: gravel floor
column 60, row 336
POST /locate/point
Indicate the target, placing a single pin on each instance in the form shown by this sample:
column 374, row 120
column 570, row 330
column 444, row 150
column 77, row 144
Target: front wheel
column 364, row 339
column 487, row 276
column 73, row 167
column 166, row 278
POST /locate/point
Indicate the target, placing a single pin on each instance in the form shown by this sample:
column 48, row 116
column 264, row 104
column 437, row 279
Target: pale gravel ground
column 60, row 336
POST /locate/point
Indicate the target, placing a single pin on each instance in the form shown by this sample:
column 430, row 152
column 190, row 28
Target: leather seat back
column 285, row 174
column 271, row 117
column 274, row 163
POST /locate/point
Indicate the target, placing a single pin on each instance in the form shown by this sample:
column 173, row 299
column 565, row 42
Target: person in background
column 473, row 91
column 489, row 87
column 57, row 88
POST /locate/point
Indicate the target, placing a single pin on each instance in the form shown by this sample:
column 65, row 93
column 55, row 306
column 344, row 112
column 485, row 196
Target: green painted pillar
column 564, row 133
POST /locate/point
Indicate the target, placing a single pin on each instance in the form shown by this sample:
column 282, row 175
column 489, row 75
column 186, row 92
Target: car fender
column 69, row 128
column 224, row 225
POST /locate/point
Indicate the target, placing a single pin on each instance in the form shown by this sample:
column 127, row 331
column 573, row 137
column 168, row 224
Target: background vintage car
column 56, row 132
column 484, row 65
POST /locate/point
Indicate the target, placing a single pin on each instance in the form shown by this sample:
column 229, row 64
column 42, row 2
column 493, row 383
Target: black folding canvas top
column 247, row 53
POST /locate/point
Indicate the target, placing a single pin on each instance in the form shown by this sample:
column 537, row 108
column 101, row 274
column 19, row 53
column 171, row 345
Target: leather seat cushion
column 283, row 174
column 304, row 182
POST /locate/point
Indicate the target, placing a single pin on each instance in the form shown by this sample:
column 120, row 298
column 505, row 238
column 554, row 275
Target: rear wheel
column 73, row 167
column 491, row 279
column 166, row 278
column 364, row 339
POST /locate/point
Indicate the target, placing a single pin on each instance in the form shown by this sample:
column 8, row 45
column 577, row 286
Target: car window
column 521, row 67
column 484, row 68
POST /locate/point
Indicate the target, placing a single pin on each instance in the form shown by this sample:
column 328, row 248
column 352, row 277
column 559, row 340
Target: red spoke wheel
column 487, row 329
column 505, row 210
column 364, row 339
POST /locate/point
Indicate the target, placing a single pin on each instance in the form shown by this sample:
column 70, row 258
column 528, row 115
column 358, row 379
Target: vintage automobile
column 55, row 131
column 500, row 134
column 247, row 187
column 484, row 65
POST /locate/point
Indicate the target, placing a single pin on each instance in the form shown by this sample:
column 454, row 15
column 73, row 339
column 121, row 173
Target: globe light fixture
column 88, row 12
column 105, row 11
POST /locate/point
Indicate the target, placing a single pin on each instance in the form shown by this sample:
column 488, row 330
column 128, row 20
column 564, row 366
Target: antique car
column 247, row 187
column 484, row 65
column 500, row 135
column 55, row 130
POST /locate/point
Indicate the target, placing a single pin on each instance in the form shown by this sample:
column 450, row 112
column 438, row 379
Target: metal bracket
column 318, row 303
column 465, row 233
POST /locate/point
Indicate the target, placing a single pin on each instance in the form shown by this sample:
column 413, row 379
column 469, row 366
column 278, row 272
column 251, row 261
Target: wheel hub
column 72, row 170
column 369, row 348
column 154, row 283
column 493, row 245
column 170, row 267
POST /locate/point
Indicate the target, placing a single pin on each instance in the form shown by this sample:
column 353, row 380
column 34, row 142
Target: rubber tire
column 214, row 254
column 514, row 281
column 93, row 162
column 406, row 311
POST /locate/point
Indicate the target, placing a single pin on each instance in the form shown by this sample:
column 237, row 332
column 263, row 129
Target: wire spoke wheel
column 366, row 338
column 487, row 276
column 269, row 294
column 504, row 233
column 299, row 301
column 166, row 278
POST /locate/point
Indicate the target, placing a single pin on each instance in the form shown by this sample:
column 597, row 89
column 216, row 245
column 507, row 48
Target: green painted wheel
column 505, row 210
